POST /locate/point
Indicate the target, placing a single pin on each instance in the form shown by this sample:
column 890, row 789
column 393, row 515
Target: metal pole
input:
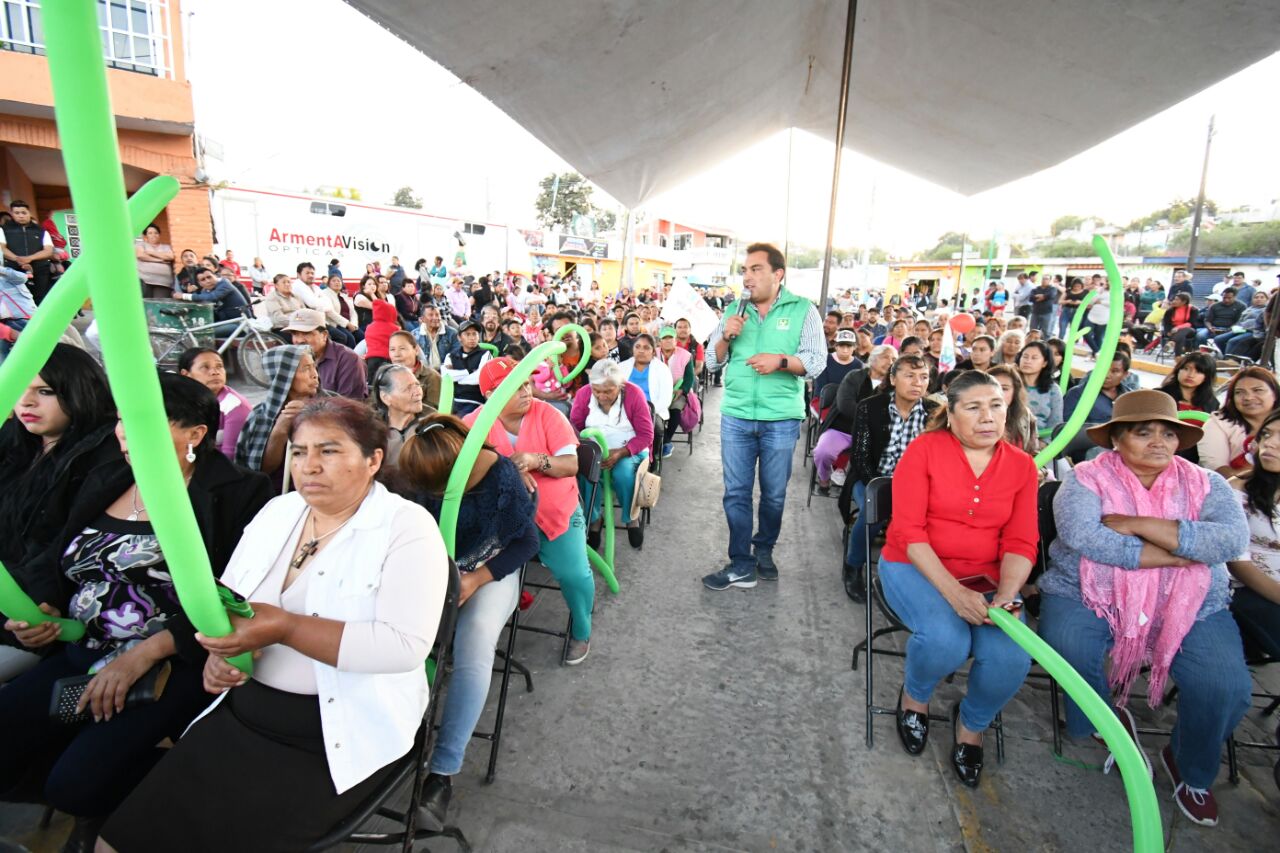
column 851, row 18
column 1195, row 219
column 964, row 241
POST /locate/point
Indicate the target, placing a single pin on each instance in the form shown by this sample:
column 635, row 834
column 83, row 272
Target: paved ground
column 731, row 721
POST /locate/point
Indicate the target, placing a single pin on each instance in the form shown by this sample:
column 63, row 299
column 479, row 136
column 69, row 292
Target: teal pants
column 624, row 486
column 566, row 558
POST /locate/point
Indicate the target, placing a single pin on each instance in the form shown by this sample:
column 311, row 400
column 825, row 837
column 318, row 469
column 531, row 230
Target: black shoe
column 635, row 535
column 434, row 809
column 84, row 835
column 965, row 758
column 593, row 539
column 855, row 585
column 825, row 491
column 766, row 568
column 913, row 728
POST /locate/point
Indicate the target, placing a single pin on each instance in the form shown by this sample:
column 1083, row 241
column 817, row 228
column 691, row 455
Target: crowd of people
column 320, row 504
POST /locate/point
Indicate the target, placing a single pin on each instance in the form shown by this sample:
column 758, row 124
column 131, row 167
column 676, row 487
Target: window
column 472, row 228
column 325, row 209
column 683, row 241
column 715, row 241
column 135, row 33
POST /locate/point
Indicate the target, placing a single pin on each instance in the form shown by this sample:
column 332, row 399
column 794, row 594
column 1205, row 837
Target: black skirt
column 251, row 776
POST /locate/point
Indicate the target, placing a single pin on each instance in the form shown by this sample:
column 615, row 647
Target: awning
column 639, row 95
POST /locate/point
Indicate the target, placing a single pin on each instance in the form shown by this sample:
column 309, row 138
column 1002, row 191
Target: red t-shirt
column 971, row 522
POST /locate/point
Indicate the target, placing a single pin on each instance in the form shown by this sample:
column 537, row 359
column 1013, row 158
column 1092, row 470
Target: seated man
column 340, row 369
column 279, row 305
column 1112, row 387
column 227, row 300
column 463, row 365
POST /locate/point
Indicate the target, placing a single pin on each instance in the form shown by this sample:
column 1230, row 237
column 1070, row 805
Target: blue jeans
column 1213, row 681
column 941, row 642
column 566, row 558
column 480, row 623
column 624, row 486
column 1064, row 320
column 1094, row 338
column 745, row 444
column 858, row 536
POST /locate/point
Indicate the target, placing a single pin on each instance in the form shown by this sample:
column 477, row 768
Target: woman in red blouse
column 962, row 538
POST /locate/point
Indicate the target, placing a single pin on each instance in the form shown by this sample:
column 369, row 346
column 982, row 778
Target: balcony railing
column 135, row 33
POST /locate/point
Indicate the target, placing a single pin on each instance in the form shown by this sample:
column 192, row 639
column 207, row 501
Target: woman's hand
column 472, row 581
column 527, row 462
column 105, row 695
column 220, row 676
column 284, row 422
column 969, row 605
column 613, row 458
column 269, row 626
column 36, row 636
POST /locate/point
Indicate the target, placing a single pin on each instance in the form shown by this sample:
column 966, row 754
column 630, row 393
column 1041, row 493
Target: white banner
column 683, row 302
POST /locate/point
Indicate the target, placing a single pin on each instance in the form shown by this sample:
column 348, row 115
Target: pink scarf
column 1150, row 611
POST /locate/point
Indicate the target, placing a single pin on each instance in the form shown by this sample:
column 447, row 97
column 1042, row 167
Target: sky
column 302, row 93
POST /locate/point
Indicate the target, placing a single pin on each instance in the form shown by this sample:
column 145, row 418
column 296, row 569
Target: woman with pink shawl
column 1138, row 571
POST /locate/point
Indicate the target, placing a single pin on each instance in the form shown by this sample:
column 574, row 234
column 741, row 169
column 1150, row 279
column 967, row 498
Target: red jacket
column 377, row 337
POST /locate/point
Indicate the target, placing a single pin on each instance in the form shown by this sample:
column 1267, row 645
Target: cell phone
column 1013, row 606
column 979, row 583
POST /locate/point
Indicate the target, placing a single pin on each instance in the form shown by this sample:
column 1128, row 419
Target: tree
column 948, row 244
column 354, row 194
column 1065, row 223
column 1176, row 211
column 406, row 197
column 1254, row 240
column 1063, row 249
column 565, row 196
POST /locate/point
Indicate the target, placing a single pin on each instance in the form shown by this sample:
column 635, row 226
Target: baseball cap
column 467, row 324
column 305, row 320
column 493, row 372
column 667, row 332
column 846, row 336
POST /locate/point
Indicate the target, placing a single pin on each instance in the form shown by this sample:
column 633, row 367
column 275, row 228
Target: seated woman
column 1191, row 383
column 1255, row 601
column 1044, row 398
column 1008, row 347
column 61, row 429
column 495, row 537
column 294, row 382
column 1180, row 322
column 680, row 362
column 541, row 442
column 617, row 408
column 950, row 555
column 347, row 583
column 403, row 349
column 837, row 427
column 1020, row 427
column 108, row 571
column 1225, row 446
column 1139, row 571
column 657, row 385
column 396, row 398
column 884, row 426
column 981, row 354
column 204, row 365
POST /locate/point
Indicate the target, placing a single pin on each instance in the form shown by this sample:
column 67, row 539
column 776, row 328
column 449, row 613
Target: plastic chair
column 412, row 766
column 879, row 507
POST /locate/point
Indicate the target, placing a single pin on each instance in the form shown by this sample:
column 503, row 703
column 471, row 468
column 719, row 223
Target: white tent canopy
column 639, row 95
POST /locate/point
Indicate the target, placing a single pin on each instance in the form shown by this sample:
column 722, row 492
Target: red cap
column 493, row 372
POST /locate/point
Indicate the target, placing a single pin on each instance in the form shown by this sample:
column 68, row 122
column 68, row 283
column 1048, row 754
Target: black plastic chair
column 412, row 766
column 879, row 508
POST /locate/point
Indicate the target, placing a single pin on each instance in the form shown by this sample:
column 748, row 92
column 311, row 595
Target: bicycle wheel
column 166, row 346
column 249, row 352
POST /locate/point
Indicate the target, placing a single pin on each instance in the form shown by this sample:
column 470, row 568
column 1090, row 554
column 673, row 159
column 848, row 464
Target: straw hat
column 1142, row 406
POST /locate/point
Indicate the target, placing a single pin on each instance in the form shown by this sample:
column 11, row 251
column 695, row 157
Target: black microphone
column 742, row 309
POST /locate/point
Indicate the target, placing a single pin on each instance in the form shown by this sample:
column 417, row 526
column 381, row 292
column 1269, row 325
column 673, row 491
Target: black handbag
column 67, row 693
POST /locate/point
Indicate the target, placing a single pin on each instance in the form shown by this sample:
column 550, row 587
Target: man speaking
column 768, row 341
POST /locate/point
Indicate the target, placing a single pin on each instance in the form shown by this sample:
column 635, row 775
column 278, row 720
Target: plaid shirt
column 901, row 434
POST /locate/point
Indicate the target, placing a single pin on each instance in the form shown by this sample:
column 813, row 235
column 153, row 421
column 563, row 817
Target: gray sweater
column 1221, row 534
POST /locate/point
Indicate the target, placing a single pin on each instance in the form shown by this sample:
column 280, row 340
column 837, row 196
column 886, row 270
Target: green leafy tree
column 1256, row 239
column 948, row 244
column 406, row 197
column 1174, row 212
column 563, row 196
column 1063, row 249
column 1065, row 223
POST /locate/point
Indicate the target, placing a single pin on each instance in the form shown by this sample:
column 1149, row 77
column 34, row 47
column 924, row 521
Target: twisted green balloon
column 31, row 352
column 1190, row 415
column 1073, row 335
column 1144, row 811
column 446, row 394
column 86, row 127
column 1093, row 385
column 604, row 562
column 585, row 337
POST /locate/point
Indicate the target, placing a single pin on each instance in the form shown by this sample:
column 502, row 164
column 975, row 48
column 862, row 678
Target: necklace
column 138, row 510
column 311, row 546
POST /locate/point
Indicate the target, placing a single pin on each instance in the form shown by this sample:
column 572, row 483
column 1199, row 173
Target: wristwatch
column 782, row 365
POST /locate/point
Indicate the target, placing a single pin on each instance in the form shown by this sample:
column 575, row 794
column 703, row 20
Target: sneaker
column 1197, row 804
column 766, row 569
column 667, row 450
column 578, row 651
column 824, row 489
column 727, row 577
column 1131, row 727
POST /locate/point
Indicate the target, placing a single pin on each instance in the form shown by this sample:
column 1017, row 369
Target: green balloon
column 86, row 127
column 1144, row 811
column 1093, row 385
column 604, row 562
column 1193, row 416
column 492, row 348
column 31, row 352
column 1074, row 334
column 446, row 394
column 585, row 337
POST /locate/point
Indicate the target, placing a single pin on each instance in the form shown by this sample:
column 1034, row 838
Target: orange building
column 151, row 98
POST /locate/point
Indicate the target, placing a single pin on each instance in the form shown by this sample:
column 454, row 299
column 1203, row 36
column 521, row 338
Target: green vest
column 779, row 396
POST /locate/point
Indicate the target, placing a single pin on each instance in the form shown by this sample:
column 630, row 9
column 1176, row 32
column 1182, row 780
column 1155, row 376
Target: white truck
column 285, row 229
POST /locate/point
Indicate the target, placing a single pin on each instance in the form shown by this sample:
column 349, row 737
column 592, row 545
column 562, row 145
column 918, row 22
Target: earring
column 191, row 452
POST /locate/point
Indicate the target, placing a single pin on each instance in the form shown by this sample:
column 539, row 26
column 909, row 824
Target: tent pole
column 851, row 18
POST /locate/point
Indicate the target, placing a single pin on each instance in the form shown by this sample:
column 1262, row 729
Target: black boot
column 434, row 809
column 84, row 834
column 855, row 583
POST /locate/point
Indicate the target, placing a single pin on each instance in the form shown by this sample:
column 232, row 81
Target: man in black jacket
column 1220, row 316
column 884, row 425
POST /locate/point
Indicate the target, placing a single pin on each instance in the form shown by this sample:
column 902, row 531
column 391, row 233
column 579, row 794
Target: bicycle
column 252, row 337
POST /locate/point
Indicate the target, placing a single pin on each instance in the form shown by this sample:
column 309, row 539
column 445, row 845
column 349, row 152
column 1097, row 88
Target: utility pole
column 1195, row 218
column 851, row 17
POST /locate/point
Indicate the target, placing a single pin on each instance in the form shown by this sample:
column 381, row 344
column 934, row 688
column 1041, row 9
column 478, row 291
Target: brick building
column 155, row 119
